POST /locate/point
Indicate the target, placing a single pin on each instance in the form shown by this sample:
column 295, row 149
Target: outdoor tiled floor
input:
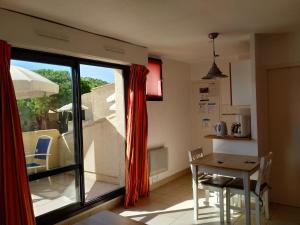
column 59, row 191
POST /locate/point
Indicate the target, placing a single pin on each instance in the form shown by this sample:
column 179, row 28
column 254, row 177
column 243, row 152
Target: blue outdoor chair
column 41, row 155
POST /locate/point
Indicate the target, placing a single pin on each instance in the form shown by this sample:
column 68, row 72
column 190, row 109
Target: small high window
column 154, row 80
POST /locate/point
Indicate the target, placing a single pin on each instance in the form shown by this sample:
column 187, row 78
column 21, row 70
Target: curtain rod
column 61, row 24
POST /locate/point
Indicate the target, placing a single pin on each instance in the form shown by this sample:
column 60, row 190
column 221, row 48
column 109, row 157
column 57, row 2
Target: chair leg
column 266, row 204
column 221, row 200
column 35, row 171
column 206, row 202
column 228, row 216
column 50, row 181
column 257, row 210
column 240, row 200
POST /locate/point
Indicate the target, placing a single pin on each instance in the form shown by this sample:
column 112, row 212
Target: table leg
column 221, row 202
column 228, row 217
column 246, row 181
column 195, row 191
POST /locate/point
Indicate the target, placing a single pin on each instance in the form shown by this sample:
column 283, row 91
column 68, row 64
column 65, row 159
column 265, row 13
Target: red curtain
column 137, row 175
column 15, row 200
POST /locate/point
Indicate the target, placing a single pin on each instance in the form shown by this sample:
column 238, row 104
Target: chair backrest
column 264, row 172
column 195, row 154
column 43, row 146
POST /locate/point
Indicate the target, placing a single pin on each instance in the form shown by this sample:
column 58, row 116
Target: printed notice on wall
column 211, row 107
column 203, row 107
column 204, row 94
column 205, row 123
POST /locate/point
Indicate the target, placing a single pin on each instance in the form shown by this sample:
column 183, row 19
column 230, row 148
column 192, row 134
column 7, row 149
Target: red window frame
column 152, row 67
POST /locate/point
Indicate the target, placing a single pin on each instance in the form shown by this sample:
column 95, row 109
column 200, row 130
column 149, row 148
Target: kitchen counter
column 228, row 137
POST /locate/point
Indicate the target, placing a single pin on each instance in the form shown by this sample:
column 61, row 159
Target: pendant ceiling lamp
column 214, row 71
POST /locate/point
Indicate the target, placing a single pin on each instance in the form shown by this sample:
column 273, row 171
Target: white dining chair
column 259, row 189
column 210, row 182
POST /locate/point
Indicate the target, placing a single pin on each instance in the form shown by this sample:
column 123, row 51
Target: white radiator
column 158, row 160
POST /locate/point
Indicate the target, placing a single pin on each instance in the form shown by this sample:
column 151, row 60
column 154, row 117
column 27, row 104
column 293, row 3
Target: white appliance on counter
column 221, row 129
column 242, row 126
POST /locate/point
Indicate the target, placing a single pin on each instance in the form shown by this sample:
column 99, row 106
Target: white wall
column 220, row 146
column 276, row 50
column 266, row 51
column 271, row 51
column 28, row 32
column 197, row 132
column 169, row 120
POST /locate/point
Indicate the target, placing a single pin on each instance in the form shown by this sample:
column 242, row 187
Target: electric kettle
column 221, row 128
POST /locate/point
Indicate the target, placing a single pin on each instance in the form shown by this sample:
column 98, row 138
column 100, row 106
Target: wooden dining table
column 238, row 166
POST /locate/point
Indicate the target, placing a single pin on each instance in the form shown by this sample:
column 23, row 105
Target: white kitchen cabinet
column 225, row 95
column 241, row 83
column 224, row 85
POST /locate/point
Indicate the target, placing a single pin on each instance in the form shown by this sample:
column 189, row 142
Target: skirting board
column 169, row 179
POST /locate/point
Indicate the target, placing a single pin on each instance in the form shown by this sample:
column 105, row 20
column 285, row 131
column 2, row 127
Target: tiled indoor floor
column 172, row 204
column 60, row 191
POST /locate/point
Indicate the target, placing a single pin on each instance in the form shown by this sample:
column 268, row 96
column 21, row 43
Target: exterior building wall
column 103, row 133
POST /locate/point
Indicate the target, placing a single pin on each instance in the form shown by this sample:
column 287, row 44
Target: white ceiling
column 173, row 28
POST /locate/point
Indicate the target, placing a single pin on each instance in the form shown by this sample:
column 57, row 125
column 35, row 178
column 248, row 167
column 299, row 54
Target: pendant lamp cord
column 214, row 52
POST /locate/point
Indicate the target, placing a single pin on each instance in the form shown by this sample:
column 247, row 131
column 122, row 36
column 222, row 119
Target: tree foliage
column 87, row 83
column 34, row 111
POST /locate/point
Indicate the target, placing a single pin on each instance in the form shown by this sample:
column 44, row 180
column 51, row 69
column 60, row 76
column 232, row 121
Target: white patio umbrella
column 29, row 84
column 69, row 107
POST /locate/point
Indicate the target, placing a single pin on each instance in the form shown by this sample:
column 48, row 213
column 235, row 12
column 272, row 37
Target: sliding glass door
column 103, row 129
column 45, row 98
column 72, row 114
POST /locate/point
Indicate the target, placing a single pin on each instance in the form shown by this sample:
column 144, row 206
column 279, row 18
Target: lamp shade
column 214, row 72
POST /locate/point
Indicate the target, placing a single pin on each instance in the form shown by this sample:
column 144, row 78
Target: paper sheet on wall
column 206, row 123
column 211, row 107
column 204, row 92
column 203, row 107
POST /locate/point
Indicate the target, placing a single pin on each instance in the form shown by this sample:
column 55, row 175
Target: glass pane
column 53, row 192
column 153, row 84
column 44, row 97
column 103, row 129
